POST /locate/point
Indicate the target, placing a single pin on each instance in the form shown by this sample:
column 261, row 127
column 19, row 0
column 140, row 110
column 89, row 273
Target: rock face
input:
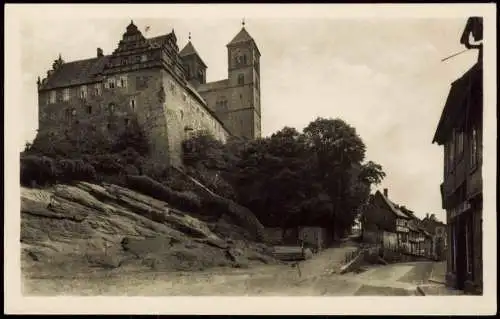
column 86, row 226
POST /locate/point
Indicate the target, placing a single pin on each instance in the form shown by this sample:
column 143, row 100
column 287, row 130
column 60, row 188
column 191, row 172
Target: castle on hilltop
column 165, row 90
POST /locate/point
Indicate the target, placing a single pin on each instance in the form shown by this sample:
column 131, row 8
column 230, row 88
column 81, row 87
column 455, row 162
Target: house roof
column 455, row 102
column 213, row 85
column 393, row 207
column 76, row 73
column 413, row 227
column 190, row 50
column 160, row 40
column 242, row 36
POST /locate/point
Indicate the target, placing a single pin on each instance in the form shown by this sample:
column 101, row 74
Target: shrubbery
column 186, row 201
column 40, row 169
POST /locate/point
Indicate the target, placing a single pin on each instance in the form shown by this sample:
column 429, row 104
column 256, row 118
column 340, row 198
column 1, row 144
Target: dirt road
column 316, row 278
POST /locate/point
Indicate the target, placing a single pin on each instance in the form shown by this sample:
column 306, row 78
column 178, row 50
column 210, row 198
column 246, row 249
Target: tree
column 133, row 137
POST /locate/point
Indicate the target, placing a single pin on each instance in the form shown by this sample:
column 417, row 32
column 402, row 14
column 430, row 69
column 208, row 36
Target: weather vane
column 189, row 36
column 243, row 22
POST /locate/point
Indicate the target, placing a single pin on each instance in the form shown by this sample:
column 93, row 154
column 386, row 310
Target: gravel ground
column 317, row 278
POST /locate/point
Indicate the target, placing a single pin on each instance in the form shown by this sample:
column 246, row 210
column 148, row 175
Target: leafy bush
column 180, row 200
column 155, row 170
column 39, row 169
column 109, row 164
column 70, row 170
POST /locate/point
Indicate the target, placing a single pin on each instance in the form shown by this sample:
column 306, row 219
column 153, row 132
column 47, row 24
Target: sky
column 384, row 77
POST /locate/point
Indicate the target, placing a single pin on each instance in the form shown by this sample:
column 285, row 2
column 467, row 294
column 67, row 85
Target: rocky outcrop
column 86, row 226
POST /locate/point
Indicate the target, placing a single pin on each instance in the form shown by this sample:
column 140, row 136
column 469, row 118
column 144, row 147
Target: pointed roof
column 242, row 36
column 392, row 206
column 190, row 50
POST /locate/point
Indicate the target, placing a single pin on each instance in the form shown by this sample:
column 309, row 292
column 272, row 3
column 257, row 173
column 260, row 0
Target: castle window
column 52, row 96
column 89, row 109
column 138, row 59
column 244, row 59
column 66, row 94
column 97, row 89
column 124, row 61
column 83, row 92
column 132, row 103
column 67, row 114
column 144, row 58
column 127, row 122
column 241, row 79
column 122, row 82
column 73, row 112
column 182, row 114
column 111, row 107
column 111, row 83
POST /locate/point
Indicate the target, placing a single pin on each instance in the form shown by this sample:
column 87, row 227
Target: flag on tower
column 147, row 28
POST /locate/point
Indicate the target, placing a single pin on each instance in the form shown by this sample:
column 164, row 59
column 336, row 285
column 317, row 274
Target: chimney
column 386, row 193
column 99, row 53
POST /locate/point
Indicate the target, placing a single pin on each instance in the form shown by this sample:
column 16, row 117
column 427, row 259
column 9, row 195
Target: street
column 317, row 277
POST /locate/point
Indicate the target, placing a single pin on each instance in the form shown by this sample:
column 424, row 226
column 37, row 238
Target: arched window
column 241, row 79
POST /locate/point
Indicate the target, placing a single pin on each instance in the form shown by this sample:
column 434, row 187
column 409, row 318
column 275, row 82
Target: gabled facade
column 460, row 133
column 382, row 216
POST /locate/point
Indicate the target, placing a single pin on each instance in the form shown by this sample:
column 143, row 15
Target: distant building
column 438, row 231
column 150, row 81
column 460, row 131
column 384, row 223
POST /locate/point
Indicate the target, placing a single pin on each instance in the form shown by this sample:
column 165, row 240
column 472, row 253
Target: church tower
column 194, row 67
column 244, row 80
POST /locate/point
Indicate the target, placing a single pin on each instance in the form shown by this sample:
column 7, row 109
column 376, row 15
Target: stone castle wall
column 161, row 105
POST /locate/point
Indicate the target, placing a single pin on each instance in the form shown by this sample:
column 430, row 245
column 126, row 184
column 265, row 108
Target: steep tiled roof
column 392, row 207
column 160, row 40
column 76, row 73
column 190, row 50
column 454, row 106
column 242, row 36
